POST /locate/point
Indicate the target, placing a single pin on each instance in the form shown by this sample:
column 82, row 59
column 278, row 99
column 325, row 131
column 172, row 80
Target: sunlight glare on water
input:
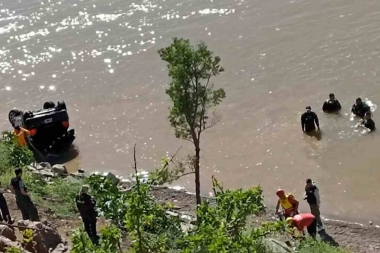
column 279, row 56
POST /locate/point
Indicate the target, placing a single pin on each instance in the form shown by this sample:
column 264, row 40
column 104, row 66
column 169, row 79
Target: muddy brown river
column 279, row 55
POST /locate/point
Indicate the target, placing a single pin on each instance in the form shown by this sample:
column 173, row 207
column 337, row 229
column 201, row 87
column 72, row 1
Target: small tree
column 192, row 94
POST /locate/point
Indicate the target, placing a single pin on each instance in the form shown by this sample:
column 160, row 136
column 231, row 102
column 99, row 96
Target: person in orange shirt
column 288, row 203
column 300, row 221
column 20, row 133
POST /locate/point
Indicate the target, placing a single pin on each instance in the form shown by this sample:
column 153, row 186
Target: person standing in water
column 360, row 108
column 331, row 104
column 368, row 122
column 308, row 120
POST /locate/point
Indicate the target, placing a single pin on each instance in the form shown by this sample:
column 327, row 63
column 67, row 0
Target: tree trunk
column 197, row 174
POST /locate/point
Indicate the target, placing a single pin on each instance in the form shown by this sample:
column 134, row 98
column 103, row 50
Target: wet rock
column 5, row 243
column 45, row 236
column 59, row 169
column 7, row 232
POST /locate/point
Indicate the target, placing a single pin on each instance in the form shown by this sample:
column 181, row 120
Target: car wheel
column 61, row 105
column 49, row 105
column 12, row 115
column 27, row 115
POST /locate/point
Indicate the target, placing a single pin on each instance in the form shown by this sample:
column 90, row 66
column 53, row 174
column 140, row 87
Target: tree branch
column 186, row 174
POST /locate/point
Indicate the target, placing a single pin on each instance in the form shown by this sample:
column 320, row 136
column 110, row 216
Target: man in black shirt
column 308, row 119
column 313, row 199
column 368, row 122
column 86, row 206
column 23, row 201
column 360, row 108
column 332, row 104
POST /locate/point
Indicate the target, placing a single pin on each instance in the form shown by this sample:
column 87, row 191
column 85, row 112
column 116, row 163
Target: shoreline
column 352, row 235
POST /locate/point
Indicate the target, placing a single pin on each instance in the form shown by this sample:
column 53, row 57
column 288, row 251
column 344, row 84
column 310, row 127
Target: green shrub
column 110, row 237
column 13, row 155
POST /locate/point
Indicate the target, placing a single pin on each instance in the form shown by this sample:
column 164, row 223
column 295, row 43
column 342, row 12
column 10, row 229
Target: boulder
column 44, row 166
column 61, row 248
column 274, row 246
column 125, row 183
column 7, row 232
column 31, row 168
column 112, row 177
column 44, row 173
column 59, row 169
column 46, row 238
column 5, row 243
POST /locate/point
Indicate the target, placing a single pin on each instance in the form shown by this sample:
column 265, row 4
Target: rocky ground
column 357, row 237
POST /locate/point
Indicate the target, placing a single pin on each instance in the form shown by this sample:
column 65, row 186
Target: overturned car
column 48, row 127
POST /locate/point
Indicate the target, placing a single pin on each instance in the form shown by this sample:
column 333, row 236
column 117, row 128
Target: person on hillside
column 308, row 120
column 23, row 200
column 5, row 215
column 86, row 207
column 20, row 133
column 368, row 122
column 288, row 203
column 314, row 200
column 360, row 108
column 331, row 104
column 300, row 221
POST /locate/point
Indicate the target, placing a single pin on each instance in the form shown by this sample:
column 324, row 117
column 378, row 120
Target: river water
column 279, row 55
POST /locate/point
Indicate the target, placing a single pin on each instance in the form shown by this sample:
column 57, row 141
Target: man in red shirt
column 300, row 221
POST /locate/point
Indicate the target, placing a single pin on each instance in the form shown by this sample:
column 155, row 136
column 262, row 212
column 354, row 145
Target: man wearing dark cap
column 360, row 108
column 331, row 104
column 308, row 120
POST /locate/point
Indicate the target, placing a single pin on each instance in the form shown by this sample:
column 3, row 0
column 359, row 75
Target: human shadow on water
column 327, row 238
column 316, row 134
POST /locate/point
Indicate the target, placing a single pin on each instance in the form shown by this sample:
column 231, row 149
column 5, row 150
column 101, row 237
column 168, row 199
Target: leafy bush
column 112, row 203
column 222, row 227
column 11, row 154
column 110, row 237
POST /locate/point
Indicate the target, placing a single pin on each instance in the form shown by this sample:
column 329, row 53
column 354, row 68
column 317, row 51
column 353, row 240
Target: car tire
column 61, row 105
column 49, row 105
column 13, row 114
column 27, row 115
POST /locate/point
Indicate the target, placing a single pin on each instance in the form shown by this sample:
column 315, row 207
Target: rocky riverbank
column 357, row 237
